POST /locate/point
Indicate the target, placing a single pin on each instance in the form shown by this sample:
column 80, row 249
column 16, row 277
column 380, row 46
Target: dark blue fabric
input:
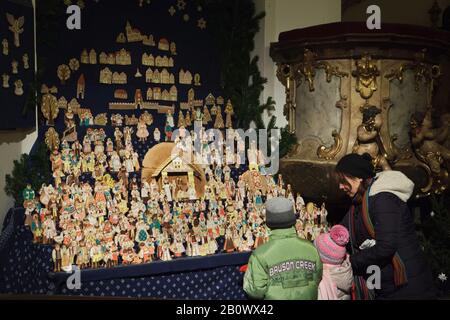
column 14, row 115
column 26, row 268
column 221, row 283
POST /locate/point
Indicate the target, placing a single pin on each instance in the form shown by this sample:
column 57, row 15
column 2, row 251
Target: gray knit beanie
column 279, row 213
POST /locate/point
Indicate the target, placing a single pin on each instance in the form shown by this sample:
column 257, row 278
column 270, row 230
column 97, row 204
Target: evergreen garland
column 234, row 24
column 33, row 169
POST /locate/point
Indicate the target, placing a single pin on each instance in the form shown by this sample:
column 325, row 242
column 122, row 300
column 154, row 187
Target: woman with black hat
column 382, row 231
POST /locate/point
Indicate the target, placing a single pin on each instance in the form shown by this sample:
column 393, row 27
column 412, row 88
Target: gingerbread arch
column 160, row 154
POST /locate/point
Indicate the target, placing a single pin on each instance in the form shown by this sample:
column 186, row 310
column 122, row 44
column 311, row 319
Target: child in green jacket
column 286, row 267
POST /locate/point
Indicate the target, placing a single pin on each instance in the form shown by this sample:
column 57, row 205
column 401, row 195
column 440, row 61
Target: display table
column 26, row 268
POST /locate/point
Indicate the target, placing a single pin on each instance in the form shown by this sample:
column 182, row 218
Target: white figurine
column 5, row 47
column 25, row 59
column 128, row 162
column 18, row 88
column 166, row 250
column 5, row 81
column 157, row 135
column 15, row 66
column 167, row 190
column 142, row 132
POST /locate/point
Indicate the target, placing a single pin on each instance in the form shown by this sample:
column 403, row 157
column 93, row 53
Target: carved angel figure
column 429, row 142
column 16, row 27
column 368, row 139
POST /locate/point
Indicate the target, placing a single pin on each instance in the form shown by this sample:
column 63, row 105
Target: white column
column 285, row 15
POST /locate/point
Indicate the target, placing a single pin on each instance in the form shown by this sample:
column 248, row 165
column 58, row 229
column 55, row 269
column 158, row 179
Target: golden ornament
column 63, row 73
column 52, row 139
column 74, row 64
column 62, row 103
column 49, row 108
column 197, row 80
column 101, row 119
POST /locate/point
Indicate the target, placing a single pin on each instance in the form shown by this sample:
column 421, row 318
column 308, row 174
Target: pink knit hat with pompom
column 331, row 246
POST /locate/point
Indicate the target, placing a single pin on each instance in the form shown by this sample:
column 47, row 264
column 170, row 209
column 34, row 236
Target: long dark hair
column 363, row 186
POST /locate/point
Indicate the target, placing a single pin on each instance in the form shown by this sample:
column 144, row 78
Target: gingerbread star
column 172, row 10
column 181, row 4
column 201, row 23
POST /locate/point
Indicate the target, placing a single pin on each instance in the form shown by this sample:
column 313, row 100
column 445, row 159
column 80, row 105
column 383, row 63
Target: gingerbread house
column 148, row 60
column 105, row 76
column 163, row 44
column 133, row 34
column 103, row 58
column 149, row 75
column 165, row 76
column 123, row 57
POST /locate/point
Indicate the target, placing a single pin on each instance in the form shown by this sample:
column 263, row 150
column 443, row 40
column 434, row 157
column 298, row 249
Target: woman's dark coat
column 394, row 232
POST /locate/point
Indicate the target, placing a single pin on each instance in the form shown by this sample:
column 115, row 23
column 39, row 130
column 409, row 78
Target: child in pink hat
column 337, row 271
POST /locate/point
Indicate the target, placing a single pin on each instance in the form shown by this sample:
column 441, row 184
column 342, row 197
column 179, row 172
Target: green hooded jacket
column 284, row 268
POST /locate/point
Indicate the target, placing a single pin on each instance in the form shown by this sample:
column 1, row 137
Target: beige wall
column 12, row 145
column 398, row 11
column 285, row 15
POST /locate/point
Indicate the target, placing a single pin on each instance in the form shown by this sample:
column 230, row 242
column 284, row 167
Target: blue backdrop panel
column 27, row 267
column 14, row 110
column 101, row 23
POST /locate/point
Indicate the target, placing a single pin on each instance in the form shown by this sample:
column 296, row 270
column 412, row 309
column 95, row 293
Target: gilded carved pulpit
column 350, row 89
